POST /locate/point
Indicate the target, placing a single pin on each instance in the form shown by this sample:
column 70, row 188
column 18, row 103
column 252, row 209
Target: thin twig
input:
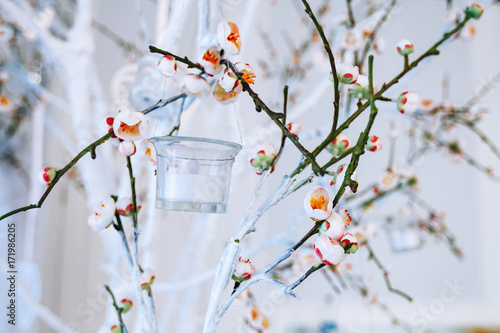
column 352, row 21
column 326, row 45
column 185, row 60
column 89, row 149
column 275, row 117
column 304, row 277
column 371, row 38
column 359, row 149
column 433, row 50
column 384, row 271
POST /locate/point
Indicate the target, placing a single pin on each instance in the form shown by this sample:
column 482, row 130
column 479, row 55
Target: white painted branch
column 142, row 23
column 203, row 24
column 230, row 255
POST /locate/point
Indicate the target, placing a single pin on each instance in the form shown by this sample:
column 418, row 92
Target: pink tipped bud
column 47, row 175
column 408, row 102
column 374, row 143
column 405, row 47
column 146, row 278
column 349, row 243
column 243, row 270
column 127, row 148
column 294, row 128
column 125, row 305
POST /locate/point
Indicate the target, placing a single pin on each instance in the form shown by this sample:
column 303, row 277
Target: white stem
column 142, row 23
column 230, row 255
column 203, row 23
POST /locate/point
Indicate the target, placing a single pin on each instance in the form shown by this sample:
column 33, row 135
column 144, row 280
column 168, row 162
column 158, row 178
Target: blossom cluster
column 333, row 244
column 217, row 76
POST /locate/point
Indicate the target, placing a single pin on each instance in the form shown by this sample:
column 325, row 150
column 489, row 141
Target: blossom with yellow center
column 228, row 37
column 211, row 61
column 318, row 204
column 130, row 125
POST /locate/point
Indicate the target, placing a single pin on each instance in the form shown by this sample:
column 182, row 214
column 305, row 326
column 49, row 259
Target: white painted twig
column 142, row 23
column 230, row 255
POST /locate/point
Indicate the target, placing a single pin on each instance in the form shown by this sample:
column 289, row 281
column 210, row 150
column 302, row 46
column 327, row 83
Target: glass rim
column 236, row 146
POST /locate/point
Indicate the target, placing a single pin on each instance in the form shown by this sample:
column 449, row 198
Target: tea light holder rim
column 233, row 145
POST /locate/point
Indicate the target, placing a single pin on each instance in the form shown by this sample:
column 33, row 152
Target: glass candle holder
column 193, row 174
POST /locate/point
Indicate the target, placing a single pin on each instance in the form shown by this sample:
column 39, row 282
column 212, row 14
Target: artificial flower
column 333, row 227
column 374, row 143
column 408, row 102
column 5, row 104
column 243, row 270
column 222, row 96
column 195, row 85
column 347, row 73
column 125, row 305
column 116, row 329
column 150, row 152
column 229, row 82
column 211, row 61
column 257, row 319
column 405, row 47
column 318, row 204
column 167, row 66
column 47, row 175
column 146, row 278
column 388, row 181
column 344, row 213
column 328, row 250
column 103, row 214
column 361, row 89
column 125, row 207
column 294, row 128
column 475, row 11
column 340, row 169
column 127, row 148
column 263, row 158
column 339, row 145
column 228, row 37
column 131, row 125
column 107, row 124
column 349, row 243
column 467, row 32
column 352, row 40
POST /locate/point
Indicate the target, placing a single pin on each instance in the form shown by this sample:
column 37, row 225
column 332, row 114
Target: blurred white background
column 70, row 256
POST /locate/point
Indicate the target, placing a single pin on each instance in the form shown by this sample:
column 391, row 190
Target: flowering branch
column 137, row 268
column 89, row 149
column 185, row 60
column 117, row 308
column 359, row 149
column 260, row 105
column 433, row 50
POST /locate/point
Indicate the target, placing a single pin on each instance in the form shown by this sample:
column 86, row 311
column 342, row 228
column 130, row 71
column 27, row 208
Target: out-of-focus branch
column 381, row 267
